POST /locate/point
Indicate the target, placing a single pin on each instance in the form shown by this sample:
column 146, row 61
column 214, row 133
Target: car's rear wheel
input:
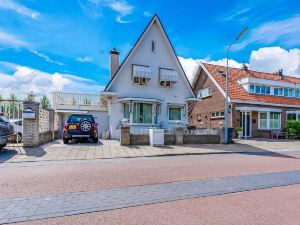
column 65, row 140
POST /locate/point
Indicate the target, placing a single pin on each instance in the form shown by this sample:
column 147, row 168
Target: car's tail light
column 66, row 128
column 94, row 128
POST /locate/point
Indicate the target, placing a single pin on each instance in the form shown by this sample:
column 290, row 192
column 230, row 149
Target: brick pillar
column 178, row 132
column 51, row 123
column 31, row 125
column 125, row 136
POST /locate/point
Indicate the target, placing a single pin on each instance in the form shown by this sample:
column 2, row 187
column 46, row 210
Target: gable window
column 141, row 74
column 167, row 77
column 269, row 120
column 174, row 113
column 153, row 46
column 142, row 113
column 205, row 92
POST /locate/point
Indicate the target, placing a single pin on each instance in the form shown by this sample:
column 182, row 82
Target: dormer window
column 141, row 74
column 167, row 77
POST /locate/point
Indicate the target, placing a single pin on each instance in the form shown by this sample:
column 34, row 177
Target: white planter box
column 156, row 137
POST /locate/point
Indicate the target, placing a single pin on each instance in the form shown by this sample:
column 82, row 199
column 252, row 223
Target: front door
column 245, row 124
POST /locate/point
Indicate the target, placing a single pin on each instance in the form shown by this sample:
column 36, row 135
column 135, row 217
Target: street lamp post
column 226, row 101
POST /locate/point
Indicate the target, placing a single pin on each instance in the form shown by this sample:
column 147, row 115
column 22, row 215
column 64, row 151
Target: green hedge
column 293, row 128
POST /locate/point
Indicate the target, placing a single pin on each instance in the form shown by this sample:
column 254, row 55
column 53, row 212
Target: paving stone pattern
column 42, row 207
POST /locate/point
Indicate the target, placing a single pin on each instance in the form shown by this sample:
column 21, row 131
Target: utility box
column 156, row 137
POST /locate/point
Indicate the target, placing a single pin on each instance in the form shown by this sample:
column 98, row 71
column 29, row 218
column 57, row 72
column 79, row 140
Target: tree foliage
column 45, row 103
column 293, row 128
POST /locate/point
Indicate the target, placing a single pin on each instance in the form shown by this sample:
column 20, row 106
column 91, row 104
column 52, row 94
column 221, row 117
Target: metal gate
column 12, row 110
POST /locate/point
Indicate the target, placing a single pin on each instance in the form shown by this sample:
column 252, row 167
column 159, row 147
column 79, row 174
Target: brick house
column 260, row 103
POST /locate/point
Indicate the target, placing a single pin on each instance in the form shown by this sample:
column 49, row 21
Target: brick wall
column 204, row 107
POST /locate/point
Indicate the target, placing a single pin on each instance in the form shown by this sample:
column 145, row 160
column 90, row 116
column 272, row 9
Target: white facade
column 154, row 51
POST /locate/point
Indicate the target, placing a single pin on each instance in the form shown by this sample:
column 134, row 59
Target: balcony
column 77, row 101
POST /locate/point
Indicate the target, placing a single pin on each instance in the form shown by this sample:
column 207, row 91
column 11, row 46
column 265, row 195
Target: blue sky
column 70, row 39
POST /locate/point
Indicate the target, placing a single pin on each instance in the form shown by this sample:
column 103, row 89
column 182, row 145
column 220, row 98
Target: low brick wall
column 45, row 137
column 201, row 139
column 139, row 139
column 169, row 139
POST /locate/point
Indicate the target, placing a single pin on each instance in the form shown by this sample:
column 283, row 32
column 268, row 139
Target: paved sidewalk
column 42, row 207
column 109, row 149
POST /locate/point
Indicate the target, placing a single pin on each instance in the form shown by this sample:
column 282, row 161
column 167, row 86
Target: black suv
column 80, row 126
column 7, row 133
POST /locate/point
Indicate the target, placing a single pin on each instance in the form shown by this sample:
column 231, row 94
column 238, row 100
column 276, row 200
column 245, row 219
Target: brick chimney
column 114, row 62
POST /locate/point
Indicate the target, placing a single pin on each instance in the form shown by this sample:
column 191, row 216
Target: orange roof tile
column 237, row 92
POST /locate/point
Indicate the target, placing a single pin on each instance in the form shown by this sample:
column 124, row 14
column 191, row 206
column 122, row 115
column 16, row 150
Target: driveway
column 108, row 149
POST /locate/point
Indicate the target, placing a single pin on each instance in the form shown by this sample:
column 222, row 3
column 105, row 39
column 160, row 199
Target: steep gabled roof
column 155, row 19
column 238, row 93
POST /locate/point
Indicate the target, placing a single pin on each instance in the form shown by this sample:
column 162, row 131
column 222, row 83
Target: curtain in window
column 142, row 113
column 263, row 120
column 291, row 116
column 174, row 113
column 274, row 120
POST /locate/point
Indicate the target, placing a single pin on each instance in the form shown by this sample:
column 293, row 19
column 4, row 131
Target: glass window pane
column 252, row 88
column 126, row 111
column 296, row 93
column 263, row 120
column 268, row 91
column 142, row 113
column 263, row 90
column 257, row 89
column 291, row 116
column 280, row 91
column 174, row 113
column 275, row 120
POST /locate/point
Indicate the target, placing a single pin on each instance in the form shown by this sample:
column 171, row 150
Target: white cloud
column 25, row 79
column 43, row 56
column 285, row 32
column 272, row 59
column 120, row 20
column 122, row 7
column 18, row 8
column 84, row 59
column 11, row 40
column 268, row 59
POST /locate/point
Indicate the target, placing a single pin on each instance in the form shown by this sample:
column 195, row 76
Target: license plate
column 11, row 138
column 72, row 127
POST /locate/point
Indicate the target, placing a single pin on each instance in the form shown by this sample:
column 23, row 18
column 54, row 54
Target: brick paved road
column 40, row 207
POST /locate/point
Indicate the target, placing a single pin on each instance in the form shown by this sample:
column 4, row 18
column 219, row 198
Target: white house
column 150, row 87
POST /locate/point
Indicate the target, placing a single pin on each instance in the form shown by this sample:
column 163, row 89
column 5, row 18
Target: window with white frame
column 260, row 89
column 126, row 111
column 205, row 92
column 278, row 91
column 215, row 115
column 175, row 113
column 269, row 120
column 142, row 113
column 291, row 116
column 288, row 92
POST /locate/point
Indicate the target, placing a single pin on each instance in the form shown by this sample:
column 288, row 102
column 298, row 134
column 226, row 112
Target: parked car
column 17, row 123
column 7, row 133
column 80, row 126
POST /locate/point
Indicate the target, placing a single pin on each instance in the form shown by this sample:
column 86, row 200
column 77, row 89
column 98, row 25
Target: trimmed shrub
column 293, row 128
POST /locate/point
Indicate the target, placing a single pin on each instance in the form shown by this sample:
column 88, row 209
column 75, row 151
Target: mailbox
column 28, row 114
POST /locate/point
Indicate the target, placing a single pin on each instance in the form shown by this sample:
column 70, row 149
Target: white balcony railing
column 62, row 100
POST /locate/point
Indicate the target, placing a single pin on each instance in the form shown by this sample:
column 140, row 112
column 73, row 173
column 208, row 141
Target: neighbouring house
column 150, row 87
column 260, row 103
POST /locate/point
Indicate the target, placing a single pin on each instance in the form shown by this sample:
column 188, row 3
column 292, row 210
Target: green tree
column 30, row 97
column 45, row 103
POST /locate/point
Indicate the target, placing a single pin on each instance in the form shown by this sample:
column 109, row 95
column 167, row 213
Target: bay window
column 269, row 120
column 142, row 113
